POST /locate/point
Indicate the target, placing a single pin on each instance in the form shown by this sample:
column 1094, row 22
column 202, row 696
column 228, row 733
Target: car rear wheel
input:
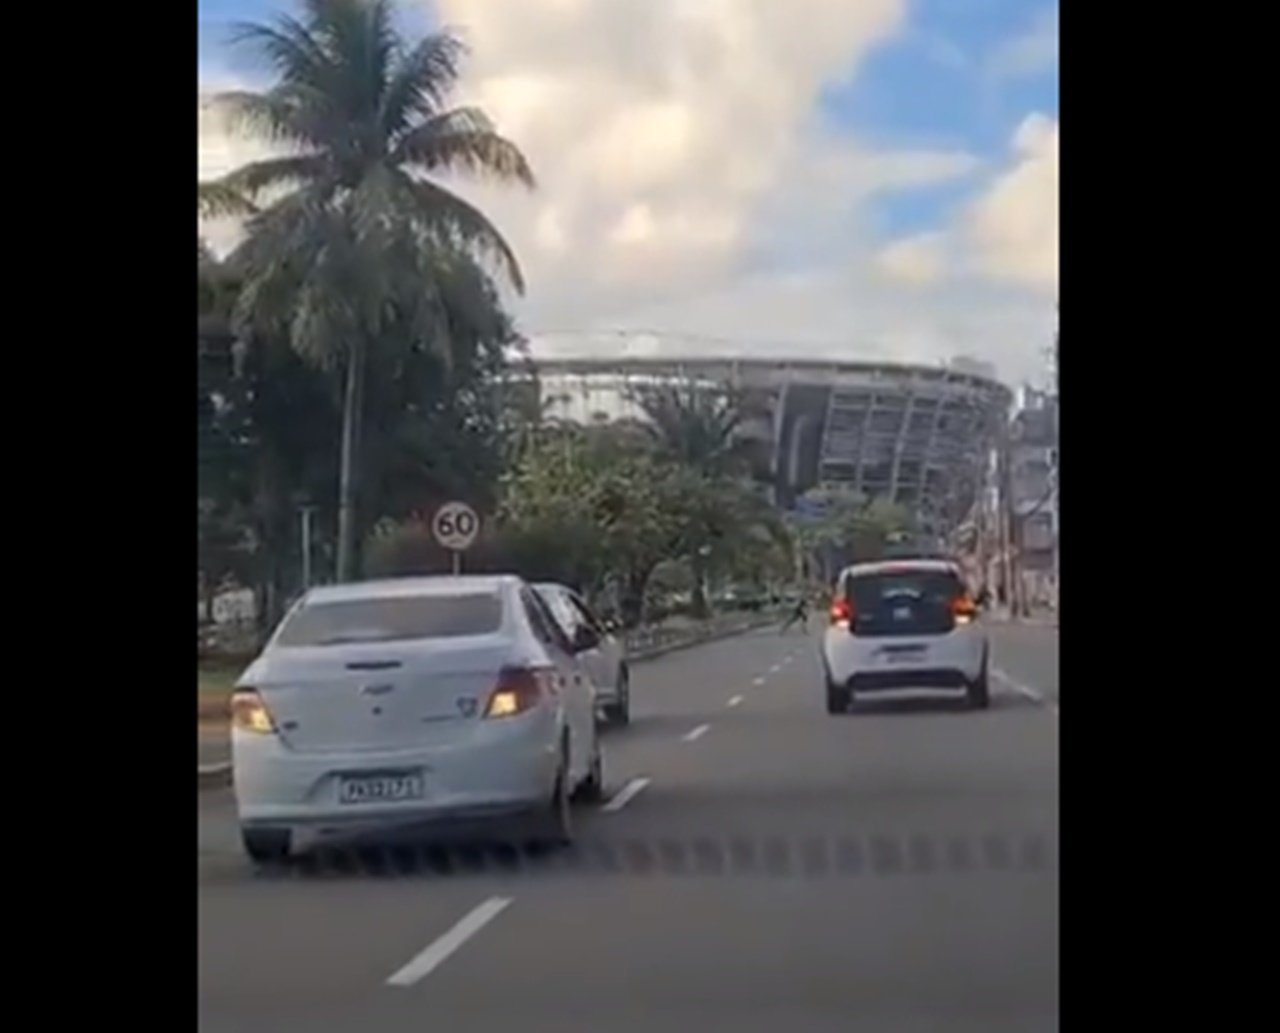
column 837, row 698
column 554, row 826
column 591, row 789
column 980, row 687
column 619, row 713
column 267, row 846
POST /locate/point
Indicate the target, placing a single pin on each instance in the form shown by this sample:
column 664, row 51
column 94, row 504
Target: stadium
column 920, row 435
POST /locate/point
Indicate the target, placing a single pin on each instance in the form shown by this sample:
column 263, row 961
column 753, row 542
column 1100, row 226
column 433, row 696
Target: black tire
column 619, row 713
column 980, row 687
column 838, row 698
column 267, row 846
column 591, row 790
column 553, row 828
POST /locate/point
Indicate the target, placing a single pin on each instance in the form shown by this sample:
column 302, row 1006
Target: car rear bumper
column 946, row 662
column 274, row 786
column 930, row 682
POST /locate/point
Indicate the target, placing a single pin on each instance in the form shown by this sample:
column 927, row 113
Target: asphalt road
column 885, row 872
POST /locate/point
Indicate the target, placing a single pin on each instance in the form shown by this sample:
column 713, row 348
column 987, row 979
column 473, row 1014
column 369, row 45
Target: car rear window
column 391, row 620
column 870, row 591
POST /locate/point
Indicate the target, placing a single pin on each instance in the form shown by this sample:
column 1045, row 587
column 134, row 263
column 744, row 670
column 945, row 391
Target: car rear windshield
column 390, row 620
column 904, row 602
column 872, row 591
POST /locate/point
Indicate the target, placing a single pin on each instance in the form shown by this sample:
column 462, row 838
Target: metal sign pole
column 457, row 563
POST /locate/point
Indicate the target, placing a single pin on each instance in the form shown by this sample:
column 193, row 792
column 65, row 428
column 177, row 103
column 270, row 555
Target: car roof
column 885, row 566
column 405, row 587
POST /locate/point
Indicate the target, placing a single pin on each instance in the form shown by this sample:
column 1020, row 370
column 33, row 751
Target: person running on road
column 799, row 615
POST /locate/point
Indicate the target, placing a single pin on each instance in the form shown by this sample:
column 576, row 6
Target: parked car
column 598, row 645
column 902, row 630
column 393, row 703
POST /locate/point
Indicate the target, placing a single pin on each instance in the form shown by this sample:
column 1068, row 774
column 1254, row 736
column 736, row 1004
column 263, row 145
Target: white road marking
column 437, row 952
column 775, row 668
column 697, row 733
column 758, row 681
column 626, row 794
column 1035, row 695
column 734, row 701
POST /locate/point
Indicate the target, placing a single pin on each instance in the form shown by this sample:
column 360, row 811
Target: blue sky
column 953, row 79
column 918, row 188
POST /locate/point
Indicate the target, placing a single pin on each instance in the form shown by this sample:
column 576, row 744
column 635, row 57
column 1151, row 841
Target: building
column 919, row 435
column 1033, row 496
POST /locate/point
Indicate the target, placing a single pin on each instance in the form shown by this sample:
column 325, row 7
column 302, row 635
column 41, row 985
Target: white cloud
column 919, row 259
column 686, row 184
column 1007, row 234
column 1013, row 228
column 1031, row 52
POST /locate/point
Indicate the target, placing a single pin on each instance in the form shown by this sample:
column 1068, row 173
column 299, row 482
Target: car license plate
column 909, row 655
column 356, row 789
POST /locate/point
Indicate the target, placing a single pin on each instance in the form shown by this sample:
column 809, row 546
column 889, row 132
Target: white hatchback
column 904, row 629
column 390, row 704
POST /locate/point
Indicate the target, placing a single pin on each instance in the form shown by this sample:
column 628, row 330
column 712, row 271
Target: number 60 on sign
column 455, row 526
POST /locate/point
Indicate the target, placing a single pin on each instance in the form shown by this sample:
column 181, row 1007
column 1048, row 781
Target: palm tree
column 694, row 424
column 345, row 249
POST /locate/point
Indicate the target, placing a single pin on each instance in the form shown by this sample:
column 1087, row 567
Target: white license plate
column 914, row 656
column 380, row 788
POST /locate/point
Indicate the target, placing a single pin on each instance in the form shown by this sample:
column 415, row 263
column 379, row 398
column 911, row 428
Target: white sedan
column 395, row 703
column 601, row 650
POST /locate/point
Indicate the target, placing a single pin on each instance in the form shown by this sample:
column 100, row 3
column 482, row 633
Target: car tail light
column 842, row 613
column 964, row 609
column 250, row 714
column 519, row 690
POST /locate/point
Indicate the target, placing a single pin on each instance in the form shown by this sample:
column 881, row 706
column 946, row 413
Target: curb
column 218, row 776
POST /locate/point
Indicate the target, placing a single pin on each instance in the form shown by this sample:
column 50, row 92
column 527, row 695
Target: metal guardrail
column 642, row 644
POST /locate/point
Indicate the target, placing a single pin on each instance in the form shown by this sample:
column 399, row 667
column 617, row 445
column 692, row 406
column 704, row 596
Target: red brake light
column 519, row 690
column 964, row 609
column 842, row 612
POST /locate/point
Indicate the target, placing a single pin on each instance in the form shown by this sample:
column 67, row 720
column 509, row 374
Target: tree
column 347, row 252
column 695, row 425
column 852, row 527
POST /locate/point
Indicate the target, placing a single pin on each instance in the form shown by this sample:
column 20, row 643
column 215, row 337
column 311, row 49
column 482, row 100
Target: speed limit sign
column 455, row 526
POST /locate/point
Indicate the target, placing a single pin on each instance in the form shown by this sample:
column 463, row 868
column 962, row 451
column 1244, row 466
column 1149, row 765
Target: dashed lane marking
column 439, row 951
column 625, row 795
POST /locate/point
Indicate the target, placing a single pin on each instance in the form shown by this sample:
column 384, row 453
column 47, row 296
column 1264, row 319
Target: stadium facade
column 920, row 435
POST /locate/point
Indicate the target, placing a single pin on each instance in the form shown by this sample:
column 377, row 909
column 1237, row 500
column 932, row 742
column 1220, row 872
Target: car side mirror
column 584, row 639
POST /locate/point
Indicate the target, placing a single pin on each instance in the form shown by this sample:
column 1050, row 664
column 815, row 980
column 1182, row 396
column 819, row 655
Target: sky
column 835, row 179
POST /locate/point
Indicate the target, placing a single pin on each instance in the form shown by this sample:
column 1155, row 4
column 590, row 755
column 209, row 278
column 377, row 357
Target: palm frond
column 463, row 141
column 290, row 48
column 361, row 42
column 251, row 179
column 278, row 116
column 421, row 81
column 218, row 200
column 450, row 220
